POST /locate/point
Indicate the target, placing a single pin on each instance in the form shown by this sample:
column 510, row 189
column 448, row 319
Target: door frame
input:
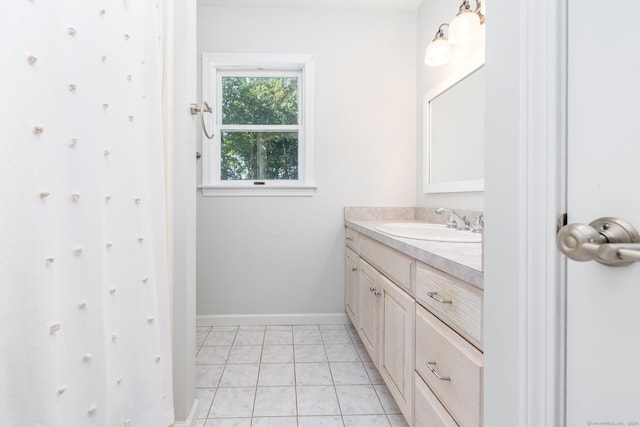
column 179, row 90
column 524, row 325
column 525, row 192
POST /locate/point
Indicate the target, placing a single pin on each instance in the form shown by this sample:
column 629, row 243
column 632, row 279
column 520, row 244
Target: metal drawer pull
column 350, row 239
column 432, row 369
column 440, row 300
column 354, row 269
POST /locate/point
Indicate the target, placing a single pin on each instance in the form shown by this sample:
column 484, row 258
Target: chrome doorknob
column 580, row 242
column 610, row 241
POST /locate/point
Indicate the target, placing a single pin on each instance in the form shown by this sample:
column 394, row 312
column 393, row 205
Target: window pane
column 259, row 156
column 260, row 100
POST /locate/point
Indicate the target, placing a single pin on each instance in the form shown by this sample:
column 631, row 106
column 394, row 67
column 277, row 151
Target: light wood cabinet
column 429, row 412
column 457, row 303
column 398, row 267
column 451, row 367
column 396, row 340
column 352, row 238
column 385, row 316
column 351, row 284
column 408, row 314
column 368, row 308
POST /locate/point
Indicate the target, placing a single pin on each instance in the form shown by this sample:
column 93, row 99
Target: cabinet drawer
column 429, row 412
column 396, row 266
column 460, row 306
column 351, row 238
column 458, row 363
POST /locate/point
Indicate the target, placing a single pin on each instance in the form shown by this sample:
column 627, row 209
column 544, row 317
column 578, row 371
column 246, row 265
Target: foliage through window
column 260, row 127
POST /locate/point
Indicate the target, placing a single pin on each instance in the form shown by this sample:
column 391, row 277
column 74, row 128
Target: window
column 261, row 123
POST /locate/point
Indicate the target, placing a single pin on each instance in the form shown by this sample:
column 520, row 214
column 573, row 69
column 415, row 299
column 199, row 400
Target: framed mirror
column 454, row 131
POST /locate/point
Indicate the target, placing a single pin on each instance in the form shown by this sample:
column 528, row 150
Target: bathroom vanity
column 417, row 306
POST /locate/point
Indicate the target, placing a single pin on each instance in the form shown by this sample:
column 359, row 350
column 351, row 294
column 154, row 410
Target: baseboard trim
column 191, row 419
column 271, row 319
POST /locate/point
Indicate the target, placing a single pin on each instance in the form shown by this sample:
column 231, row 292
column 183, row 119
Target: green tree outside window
column 270, row 154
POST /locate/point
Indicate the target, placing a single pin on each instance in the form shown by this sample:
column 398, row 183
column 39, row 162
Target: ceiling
column 344, row 4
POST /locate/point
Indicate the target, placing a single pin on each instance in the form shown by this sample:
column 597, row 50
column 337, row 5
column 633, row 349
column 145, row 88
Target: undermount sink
column 425, row 231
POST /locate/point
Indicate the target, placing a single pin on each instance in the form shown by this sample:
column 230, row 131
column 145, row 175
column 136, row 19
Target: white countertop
column 461, row 260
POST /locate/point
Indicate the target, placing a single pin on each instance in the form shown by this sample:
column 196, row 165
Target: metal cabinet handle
column 434, row 296
column 350, row 239
column 610, row 241
column 354, row 269
column 438, row 376
column 376, row 292
column 372, row 289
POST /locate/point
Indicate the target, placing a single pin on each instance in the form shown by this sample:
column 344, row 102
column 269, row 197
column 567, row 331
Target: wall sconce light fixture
column 464, row 27
column 439, row 50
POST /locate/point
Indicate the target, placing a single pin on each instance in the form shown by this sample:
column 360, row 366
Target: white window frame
column 216, row 65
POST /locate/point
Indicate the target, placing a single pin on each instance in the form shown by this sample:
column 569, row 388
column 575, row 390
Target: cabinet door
column 397, row 330
column 368, row 309
column 351, row 297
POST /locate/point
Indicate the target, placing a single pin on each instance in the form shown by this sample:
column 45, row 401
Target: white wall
column 431, row 14
column 180, row 87
column 286, row 255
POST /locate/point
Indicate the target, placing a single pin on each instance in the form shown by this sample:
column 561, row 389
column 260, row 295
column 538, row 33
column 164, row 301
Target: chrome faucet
column 478, row 224
column 455, row 220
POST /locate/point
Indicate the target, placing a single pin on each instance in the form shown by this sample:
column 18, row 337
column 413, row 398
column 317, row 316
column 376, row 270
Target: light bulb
column 438, row 52
column 464, row 27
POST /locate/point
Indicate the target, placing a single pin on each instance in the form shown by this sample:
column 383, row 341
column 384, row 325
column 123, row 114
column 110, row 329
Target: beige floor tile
column 208, row 376
column 289, row 376
column 275, row 402
column 349, row 373
column 228, row 422
column 310, row 353
column 320, row 421
column 317, row 400
column 241, row 375
column 233, row 402
column 366, row 421
column 276, row 374
column 313, row 374
column 277, row 354
column 245, row 354
column 274, row 422
column 359, row 400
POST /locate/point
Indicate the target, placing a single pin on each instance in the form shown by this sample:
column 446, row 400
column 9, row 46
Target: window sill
column 258, row 191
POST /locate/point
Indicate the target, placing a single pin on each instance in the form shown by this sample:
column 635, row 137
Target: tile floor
column 289, row 376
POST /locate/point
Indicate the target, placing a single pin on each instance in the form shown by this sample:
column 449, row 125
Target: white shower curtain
column 84, row 318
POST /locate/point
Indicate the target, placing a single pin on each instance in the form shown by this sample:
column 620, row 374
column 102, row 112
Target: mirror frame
column 474, row 185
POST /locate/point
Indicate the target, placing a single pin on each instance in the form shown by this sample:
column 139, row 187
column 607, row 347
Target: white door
column 603, row 312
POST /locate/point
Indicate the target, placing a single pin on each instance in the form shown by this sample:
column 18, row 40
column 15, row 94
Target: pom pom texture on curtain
column 84, row 317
